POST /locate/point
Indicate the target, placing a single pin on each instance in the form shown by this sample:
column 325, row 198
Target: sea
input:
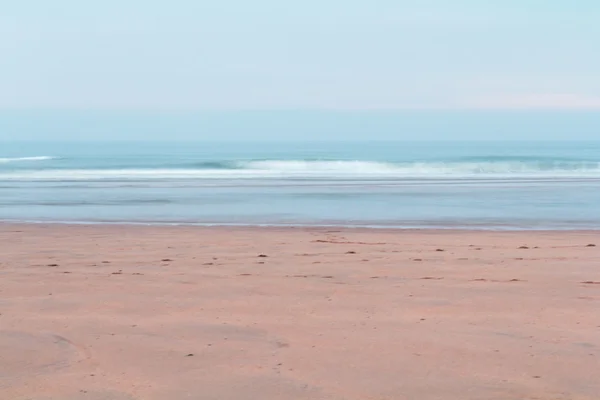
column 497, row 185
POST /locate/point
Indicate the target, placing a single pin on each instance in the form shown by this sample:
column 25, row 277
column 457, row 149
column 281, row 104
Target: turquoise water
column 492, row 185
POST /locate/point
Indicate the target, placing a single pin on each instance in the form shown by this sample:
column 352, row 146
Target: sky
column 323, row 55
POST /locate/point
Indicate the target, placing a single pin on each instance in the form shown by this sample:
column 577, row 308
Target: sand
column 169, row 313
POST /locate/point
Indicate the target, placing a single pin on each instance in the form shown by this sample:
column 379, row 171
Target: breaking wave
column 291, row 169
column 18, row 159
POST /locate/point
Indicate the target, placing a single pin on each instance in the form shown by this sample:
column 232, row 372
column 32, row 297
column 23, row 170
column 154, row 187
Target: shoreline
column 275, row 226
column 150, row 313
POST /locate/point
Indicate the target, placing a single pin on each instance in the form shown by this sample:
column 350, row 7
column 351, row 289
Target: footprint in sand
column 29, row 354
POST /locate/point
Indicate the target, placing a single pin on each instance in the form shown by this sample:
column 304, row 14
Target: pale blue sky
column 273, row 54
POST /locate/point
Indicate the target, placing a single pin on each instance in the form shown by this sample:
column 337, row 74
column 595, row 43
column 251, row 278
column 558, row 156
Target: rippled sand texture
column 124, row 313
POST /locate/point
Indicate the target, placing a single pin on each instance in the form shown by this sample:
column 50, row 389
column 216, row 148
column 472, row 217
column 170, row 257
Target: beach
column 125, row 312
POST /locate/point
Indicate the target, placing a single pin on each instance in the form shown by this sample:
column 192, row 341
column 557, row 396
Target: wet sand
column 123, row 313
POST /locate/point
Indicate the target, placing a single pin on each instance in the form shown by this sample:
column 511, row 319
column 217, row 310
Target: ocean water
column 478, row 185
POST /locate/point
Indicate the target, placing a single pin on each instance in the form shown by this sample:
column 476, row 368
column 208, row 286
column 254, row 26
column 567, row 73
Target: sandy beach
column 155, row 313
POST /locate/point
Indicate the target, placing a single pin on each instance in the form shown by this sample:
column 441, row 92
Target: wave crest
column 319, row 166
column 17, row 159
column 297, row 169
column 423, row 169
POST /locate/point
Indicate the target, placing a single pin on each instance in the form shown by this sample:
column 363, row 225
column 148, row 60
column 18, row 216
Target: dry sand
column 123, row 313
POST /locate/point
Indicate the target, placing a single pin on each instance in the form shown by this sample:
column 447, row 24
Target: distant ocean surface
column 478, row 185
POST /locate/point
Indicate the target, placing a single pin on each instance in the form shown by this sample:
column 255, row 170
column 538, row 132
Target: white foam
column 321, row 167
column 17, row 159
column 325, row 170
column 421, row 169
